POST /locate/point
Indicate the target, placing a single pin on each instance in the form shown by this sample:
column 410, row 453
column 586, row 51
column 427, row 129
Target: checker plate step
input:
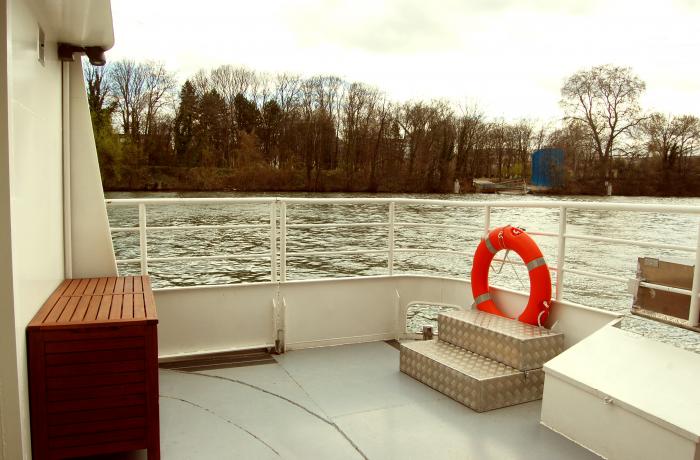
column 473, row 380
column 511, row 342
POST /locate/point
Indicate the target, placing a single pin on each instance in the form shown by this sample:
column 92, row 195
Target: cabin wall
column 32, row 177
column 9, row 403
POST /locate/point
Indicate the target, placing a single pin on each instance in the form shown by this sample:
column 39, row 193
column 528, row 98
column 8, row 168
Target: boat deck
column 338, row 402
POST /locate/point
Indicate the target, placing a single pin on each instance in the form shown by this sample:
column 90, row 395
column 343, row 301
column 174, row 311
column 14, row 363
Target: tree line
column 235, row 128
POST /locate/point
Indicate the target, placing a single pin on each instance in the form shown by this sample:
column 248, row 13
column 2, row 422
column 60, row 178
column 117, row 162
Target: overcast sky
column 508, row 56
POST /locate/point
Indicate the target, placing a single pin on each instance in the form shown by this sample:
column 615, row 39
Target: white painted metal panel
column 607, row 429
column 617, row 392
column 214, row 318
column 333, row 312
column 318, row 312
column 78, row 22
column 36, row 207
column 578, row 321
column 91, row 241
column 10, row 435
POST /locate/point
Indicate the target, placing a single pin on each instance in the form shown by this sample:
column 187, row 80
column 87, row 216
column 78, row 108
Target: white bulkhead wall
column 31, row 192
column 35, row 205
column 91, row 241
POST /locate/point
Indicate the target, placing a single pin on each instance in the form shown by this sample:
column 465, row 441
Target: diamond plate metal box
column 505, row 340
column 473, row 380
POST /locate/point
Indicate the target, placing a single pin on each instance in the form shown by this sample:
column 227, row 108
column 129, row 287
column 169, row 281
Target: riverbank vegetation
column 233, row 128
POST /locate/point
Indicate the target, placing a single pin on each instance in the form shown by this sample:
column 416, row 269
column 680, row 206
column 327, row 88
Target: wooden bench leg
column 154, row 451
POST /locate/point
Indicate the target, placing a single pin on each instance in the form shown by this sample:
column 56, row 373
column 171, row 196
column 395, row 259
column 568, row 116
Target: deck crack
column 325, row 420
column 230, row 422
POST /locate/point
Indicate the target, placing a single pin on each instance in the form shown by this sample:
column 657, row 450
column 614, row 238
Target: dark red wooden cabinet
column 93, row 369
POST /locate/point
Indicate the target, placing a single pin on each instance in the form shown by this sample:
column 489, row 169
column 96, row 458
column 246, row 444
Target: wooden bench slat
column 101, row 285
column 128, row 284
column 102, row 356
column 81, row 309
column 128, row 306
column 72, row 287
column 97, row 426
column 97, row 438
column 119, row 285
column 93, row 345
column 109, row 287
column 149, row 299
column 57, row 309
column 109, row 391
column 115, row 311
column 105, row 305
column 68, row 311
column 139, row 307
column 103, row 448
column 68, row 418
column 95, row 368
column 56, row 383
column 49, row 304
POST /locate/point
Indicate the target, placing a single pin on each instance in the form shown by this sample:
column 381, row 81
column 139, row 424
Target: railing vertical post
column 273, row 242
column 142, row 239
column 283, row 242
column 487, row 220
column 392, row 217
column 694, row 314
column 561, row 250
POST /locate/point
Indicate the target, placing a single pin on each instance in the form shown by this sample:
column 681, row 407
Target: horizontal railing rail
column 278, row 226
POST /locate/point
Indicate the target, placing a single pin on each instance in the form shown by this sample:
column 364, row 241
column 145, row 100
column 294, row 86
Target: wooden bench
column 93, row 369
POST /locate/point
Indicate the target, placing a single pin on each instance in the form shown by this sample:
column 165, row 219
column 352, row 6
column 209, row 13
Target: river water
column 616, row 260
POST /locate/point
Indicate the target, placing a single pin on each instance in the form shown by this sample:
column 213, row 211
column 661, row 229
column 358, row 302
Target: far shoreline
column 384, row 193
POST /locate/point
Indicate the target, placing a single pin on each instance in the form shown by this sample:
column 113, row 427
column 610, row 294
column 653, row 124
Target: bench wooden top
column 98, row 301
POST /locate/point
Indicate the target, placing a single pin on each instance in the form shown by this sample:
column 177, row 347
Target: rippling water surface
column 611, row 259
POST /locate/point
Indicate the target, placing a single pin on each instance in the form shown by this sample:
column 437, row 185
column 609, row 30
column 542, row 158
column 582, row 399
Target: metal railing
column 278, row 227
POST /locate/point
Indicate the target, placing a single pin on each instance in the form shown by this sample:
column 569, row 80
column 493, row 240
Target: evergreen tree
column 212, row 133
column 185, row 126
column 247, row 115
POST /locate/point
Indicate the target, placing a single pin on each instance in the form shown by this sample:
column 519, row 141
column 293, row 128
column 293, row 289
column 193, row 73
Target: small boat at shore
column 501, row 187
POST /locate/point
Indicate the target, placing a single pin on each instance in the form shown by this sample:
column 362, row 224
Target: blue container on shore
column 548, row 168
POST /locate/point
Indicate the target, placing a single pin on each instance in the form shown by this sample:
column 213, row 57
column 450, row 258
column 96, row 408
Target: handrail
column 279, row 226
column 584, row 205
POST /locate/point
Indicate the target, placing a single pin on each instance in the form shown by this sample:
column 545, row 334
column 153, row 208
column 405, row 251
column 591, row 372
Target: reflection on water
column 617, row 260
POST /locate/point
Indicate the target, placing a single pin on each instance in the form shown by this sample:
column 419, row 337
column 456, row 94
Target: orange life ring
column 517, row 240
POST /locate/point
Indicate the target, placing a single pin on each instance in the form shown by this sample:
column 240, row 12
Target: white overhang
column 79, row 22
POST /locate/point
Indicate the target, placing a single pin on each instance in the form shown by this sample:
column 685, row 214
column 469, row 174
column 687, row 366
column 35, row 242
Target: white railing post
column 694, row 313
column 392, row 217
column 561, row 250
column 142, row 239
column 273, row 242
column 283, row 242
column 487, row 220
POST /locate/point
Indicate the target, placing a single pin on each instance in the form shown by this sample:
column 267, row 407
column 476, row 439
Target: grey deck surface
column 336, row 403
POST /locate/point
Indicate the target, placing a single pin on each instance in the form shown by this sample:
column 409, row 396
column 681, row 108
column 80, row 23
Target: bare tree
column 98, row 90
column 201, row 82
column 470, row 134
column 128, row 85
column 605, row 99
column 671, row 139
column 159, row 88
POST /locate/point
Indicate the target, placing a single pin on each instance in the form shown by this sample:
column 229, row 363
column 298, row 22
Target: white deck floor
column 336, row 403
